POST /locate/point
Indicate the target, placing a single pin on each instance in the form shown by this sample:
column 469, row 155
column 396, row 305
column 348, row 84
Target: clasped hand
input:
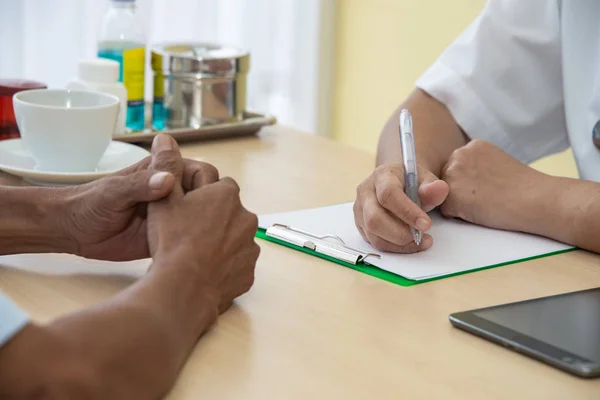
column 172, row 209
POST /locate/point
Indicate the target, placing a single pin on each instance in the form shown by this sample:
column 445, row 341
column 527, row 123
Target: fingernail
column 157, row 180
column 427, row 242
column 422, row 224
column 162, row 142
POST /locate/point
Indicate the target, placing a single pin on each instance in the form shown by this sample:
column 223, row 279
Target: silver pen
column 411, row 179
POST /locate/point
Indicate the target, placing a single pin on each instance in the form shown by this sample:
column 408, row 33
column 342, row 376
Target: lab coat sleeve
column 502, row 81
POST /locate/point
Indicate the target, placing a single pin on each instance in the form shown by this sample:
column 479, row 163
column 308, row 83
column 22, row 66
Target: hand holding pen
column 392, row 203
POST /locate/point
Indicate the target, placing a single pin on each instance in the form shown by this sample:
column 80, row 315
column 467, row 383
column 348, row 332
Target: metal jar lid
column 199, row 59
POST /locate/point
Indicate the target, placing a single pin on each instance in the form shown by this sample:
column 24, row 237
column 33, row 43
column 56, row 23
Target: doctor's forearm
column 437, row 135
column 568, row 210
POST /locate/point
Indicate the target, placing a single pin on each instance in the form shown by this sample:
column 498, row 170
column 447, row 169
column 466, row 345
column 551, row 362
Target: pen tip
column 418, row 238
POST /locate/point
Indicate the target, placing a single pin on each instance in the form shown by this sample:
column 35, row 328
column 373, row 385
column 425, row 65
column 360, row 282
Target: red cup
column 8, row 122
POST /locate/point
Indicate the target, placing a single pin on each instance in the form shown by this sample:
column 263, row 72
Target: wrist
column 571, row 207
column 544, row 213
column 181, row 281
column 60, row 206
column 33, row 221
column 56, row 210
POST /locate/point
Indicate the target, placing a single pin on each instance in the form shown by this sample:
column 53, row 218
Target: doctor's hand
column 384, row 214
column 488, row 187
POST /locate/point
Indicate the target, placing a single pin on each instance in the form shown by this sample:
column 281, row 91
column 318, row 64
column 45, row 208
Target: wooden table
column 313, row 329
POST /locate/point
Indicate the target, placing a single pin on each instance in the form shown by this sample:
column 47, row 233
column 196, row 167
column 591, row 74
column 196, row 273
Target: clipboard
column 325, row 245
column 284, row 229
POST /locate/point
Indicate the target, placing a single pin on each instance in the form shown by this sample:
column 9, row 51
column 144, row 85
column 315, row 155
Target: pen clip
column 407, row 142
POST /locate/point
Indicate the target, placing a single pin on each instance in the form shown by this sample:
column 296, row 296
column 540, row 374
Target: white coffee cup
column 66, row 130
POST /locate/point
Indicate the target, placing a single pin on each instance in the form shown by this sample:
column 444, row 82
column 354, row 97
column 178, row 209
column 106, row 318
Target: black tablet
column 562, row 330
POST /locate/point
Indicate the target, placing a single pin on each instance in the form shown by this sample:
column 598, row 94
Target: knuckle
column 389, row 167
column 248, row 282
column 393, row 170
column 376, row 242
column 231, row 184
column 165, row 154
column 387, row 171
column 363, row 187
column 252, row 221
column 358, row 212
column 255, row 251
column 476, row 144
column 209, row 171
column 455, row 163
column 448, row 171
column 373, row 221
column 446, row 209
column 251, row 279
column 359, row 189
column 380, row 169
column 230, row 191
column 111, row 182
column 198, row 174
column 384, row 193
column 115, row 184
column 248, row 269
column 459, row 154
column 378, row 173
column 166, row 160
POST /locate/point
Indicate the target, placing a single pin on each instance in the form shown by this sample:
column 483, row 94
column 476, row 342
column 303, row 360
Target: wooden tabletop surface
column 311, row 329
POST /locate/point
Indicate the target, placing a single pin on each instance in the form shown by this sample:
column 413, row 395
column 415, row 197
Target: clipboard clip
column 329, row 245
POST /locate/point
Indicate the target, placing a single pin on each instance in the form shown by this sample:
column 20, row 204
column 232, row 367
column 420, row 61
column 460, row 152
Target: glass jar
column 8, row 122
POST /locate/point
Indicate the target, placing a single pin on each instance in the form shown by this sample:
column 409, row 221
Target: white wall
column 43, row 39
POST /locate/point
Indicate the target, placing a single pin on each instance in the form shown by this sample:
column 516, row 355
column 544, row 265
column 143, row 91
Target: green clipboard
column 386, row 275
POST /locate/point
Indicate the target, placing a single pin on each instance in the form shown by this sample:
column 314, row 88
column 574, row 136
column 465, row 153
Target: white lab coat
column 525, row 75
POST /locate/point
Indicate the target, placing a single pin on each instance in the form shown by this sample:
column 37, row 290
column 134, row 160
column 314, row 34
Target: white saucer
column 16, row 160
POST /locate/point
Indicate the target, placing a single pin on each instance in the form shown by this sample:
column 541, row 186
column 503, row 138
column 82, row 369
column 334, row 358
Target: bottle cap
column 99, row 70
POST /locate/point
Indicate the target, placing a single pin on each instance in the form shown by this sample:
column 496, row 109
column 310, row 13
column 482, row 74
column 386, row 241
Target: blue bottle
column 122, row 39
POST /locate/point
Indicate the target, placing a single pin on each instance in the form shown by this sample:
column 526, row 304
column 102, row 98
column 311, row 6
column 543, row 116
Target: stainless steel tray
column 249, row 125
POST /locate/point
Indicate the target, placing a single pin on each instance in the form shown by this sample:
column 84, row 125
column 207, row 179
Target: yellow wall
column 562, row 164
column 382, row 46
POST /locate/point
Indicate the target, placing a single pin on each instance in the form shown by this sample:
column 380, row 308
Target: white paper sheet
column 458, row 246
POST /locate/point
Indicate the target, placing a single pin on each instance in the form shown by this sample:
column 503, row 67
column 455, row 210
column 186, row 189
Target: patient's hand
column 106, row 219
column 205, row 235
